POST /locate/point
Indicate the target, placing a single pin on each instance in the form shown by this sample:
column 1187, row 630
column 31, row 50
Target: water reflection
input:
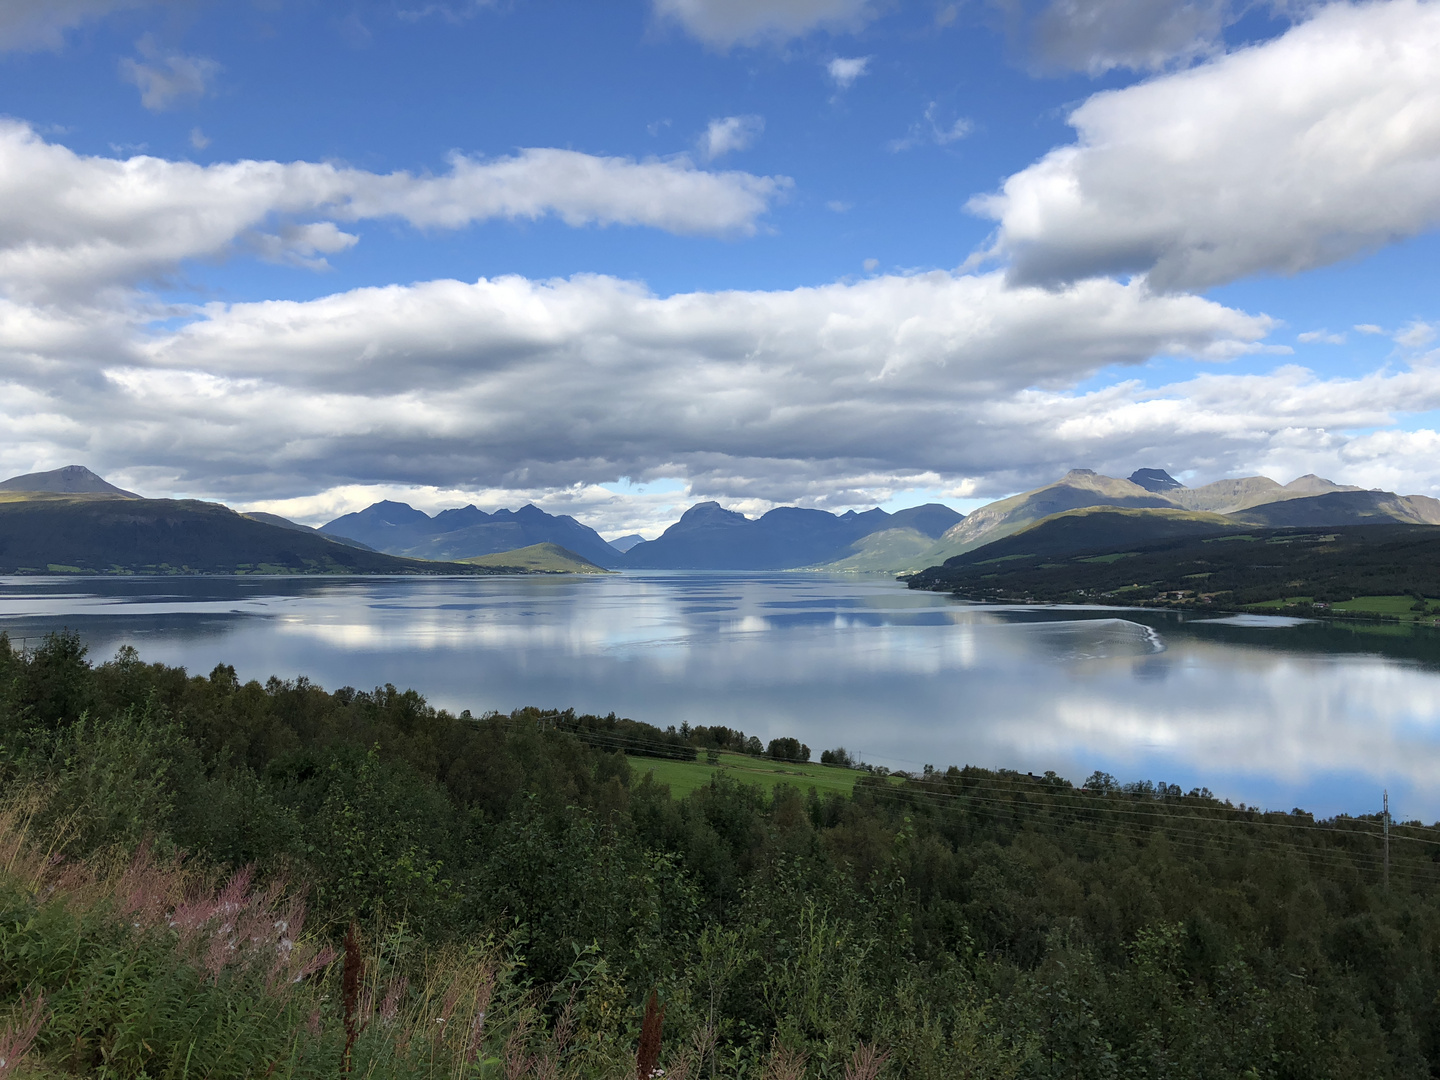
column 1271, row 711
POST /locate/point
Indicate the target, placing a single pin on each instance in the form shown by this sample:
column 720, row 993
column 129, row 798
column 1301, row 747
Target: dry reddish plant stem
column 16, row 1037
column 350, row 993
column 784, row 1063
column 647, row 1057
column 865, row 1063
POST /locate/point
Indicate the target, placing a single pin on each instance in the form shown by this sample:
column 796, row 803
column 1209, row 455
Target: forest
column 203, row 877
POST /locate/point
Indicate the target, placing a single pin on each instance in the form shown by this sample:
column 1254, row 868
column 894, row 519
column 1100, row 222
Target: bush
column 788, row 749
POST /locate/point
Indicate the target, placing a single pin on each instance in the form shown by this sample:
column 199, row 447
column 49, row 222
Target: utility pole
column 1387, row 839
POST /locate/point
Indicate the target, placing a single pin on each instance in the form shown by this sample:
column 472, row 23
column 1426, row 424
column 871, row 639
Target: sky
column 614, row 259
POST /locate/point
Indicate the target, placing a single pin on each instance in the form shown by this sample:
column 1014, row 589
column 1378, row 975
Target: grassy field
column 1395, row 606
column 685, row 776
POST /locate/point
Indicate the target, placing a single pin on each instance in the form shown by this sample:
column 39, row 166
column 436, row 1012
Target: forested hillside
column 514, row 888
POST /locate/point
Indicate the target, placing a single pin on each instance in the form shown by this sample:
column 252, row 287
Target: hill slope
column 71, row 480
column 1079, row 488
column 1093, row 530
column 1224, row 569
column 540, row 559
column 295, row 526
column 1346, row 507
column 106, row 534
column 464, row 533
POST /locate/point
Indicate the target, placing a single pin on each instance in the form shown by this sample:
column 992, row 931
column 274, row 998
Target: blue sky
column 616, row 258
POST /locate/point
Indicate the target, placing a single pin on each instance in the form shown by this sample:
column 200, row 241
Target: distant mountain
column 1229, row 496
column 625, row 543
column 709, row 537
column 884, row 551
column 466, row 533
column 1157, row 480
column 540, row 559
column 1312, row 568
column 1097, row 529
column 1078, row 489
column 71, row 480
column 100, row 533
column 286, row 523
column 1262, row 501
column 1345, row 507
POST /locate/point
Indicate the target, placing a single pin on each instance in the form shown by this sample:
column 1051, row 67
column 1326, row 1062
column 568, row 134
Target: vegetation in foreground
column 200, row 877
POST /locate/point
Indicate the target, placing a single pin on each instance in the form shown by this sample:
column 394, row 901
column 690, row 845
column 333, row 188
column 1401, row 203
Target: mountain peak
column 1157, row 480
column 70, row 480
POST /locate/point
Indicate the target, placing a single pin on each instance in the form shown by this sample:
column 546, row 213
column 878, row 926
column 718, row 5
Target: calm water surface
column 1273, row 712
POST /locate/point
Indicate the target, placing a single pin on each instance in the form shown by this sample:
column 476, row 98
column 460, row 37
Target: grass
column 684, row 777
column 1381, row 605
column 1117, row 556
column 1398, row 607
column 539, row 558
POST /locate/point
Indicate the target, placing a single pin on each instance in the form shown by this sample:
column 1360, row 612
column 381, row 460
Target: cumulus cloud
column 724, row 23
column 845, row 70
column 1307, row 149
column 41, row 24
column 71, row 224
column 830, row 395
column 167, row 79
column 730, row 133
column 1095, row 36
column 1322, row 337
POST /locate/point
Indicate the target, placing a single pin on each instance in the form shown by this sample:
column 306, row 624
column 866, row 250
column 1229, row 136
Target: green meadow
column 683, row 777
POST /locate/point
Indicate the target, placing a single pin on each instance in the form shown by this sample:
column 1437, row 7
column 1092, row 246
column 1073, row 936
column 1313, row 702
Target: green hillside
column 885, row 551
column 539, row 559
column 1315, row 569
column 1098, row 529
column 57, row 533
column 683, row 777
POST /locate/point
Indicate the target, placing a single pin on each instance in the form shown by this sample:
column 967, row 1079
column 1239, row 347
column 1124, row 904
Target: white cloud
column 1415, row 335
column 1321, row 337
column 730, row 133
column 830, row 395
column 1097, row 35
column 1289, row 155
column 1369, row 328
column 41, row 24
column 167, row 79
column 930, row 129
column 845, row 70
column 724, row 23
column 198, row 139
column 71, row 224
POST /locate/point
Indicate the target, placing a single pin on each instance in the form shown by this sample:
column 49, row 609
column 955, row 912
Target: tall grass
column 152, row 968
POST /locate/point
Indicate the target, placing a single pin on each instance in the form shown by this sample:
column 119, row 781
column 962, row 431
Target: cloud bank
column 71, row 224
column 1316, row 146
column 827, row 394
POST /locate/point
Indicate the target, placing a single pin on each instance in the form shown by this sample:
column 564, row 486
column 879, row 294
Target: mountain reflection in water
column 1267, row 711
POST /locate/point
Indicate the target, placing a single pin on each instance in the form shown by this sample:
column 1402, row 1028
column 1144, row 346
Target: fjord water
column 1272, row 712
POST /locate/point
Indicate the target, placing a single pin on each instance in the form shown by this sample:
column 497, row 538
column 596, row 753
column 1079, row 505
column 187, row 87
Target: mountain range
column 1149, row 504
column 466, row 533
column 72, row 521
